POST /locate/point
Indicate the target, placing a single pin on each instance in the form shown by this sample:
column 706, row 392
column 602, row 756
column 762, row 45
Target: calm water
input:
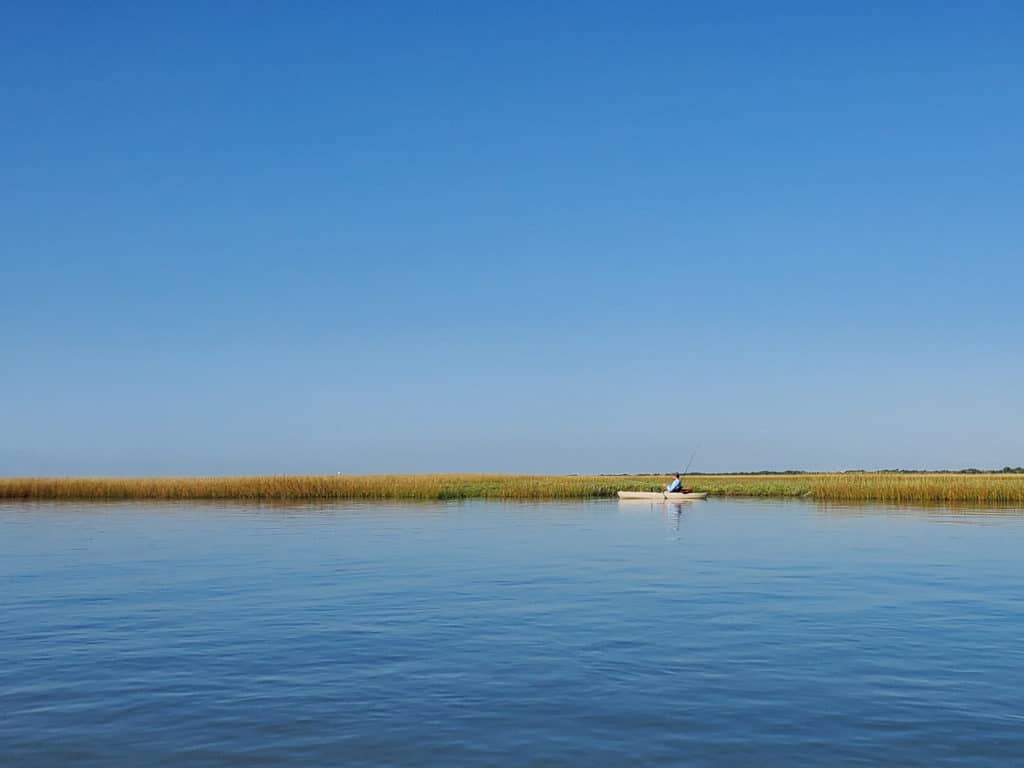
column 730, row 634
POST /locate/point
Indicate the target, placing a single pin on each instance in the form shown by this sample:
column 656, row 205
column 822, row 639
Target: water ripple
column 472, row 633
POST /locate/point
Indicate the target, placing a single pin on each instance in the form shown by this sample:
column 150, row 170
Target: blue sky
column 415, row 237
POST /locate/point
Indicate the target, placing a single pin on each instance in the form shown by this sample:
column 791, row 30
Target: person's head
column 675, row 475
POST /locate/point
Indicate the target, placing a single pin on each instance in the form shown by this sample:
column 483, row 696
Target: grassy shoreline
column 961, row 488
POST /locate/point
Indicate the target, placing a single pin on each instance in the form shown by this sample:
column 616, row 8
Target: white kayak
column 661, row 495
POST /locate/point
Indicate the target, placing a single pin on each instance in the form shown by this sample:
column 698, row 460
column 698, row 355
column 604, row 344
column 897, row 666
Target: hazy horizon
column 666, row 473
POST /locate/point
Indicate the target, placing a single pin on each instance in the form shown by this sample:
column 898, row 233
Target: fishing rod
column 691, row 459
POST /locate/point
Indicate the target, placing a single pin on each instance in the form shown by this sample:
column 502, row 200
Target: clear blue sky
column 320, row 237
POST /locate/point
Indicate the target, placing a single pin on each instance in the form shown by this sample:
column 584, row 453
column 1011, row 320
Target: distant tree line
column 967, row 471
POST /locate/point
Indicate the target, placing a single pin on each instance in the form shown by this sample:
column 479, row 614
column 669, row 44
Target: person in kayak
column 676, row 486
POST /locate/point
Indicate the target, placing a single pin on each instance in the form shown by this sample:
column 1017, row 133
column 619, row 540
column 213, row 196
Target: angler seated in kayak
column 676, row 486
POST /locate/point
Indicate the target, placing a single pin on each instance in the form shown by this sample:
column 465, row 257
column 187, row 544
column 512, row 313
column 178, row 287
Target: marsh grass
column 885, row 487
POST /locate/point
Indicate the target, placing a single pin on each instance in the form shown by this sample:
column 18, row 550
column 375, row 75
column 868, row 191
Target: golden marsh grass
column 866, row 486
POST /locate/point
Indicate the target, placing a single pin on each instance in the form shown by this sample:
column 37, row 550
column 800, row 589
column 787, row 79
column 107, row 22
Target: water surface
column 724, row 633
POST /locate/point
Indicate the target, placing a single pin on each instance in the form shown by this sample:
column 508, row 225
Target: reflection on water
column 725, row 632
column 937, row 512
